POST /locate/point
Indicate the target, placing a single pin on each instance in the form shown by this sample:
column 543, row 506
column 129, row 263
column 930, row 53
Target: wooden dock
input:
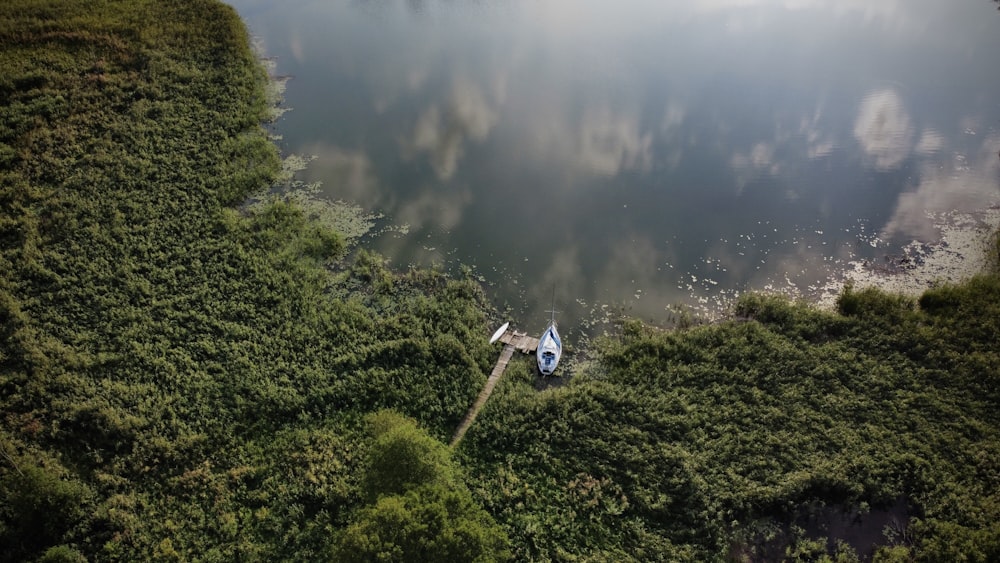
column 520, row 341
column 512, row 340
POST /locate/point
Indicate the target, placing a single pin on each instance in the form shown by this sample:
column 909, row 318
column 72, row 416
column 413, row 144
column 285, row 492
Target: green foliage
column 282, row 225
column 892, row 554
column 193, row 373
column 716, row 440
column 402, row 457
column 41, row 503
column 428, row 523
column 872, row 303
column 421, row 511
column 950, row 541
column 62, row 554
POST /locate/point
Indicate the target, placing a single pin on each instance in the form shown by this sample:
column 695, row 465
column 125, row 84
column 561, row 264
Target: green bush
column 62, row 554
column 39, row 507
column 419, row 509
column 873, row 303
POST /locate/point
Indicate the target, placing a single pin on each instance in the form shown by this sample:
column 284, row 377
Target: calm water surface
column 634, row 155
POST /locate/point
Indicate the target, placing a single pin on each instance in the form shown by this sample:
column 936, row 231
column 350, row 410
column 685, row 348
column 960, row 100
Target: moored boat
column 549, row 349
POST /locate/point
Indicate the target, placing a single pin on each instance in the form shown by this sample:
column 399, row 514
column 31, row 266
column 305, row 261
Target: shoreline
column 960, row 253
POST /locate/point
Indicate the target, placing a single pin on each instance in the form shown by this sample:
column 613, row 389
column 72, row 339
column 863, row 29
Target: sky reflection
column 644, row 153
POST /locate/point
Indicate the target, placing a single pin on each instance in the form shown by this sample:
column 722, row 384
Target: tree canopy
column 419, row 508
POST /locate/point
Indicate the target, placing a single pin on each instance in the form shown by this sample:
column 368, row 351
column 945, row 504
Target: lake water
column 635, row 155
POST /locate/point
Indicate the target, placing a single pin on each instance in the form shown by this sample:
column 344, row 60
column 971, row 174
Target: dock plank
column 484, row 395
column 521, row 341
column 513, row 341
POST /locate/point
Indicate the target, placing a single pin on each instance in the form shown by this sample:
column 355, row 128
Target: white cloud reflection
column 673, row 116
column 884, row 129
column 632, row 267
column 569, row 16
column 760, row 158
column 931, row 142
column 443, row 134
column 818, row 142
column 431, row 208
column 601, row 141
column 587, row 89
column 346, row 174
column 895, row 16
column 963, row 187
column 610, row 142
column 565, row 272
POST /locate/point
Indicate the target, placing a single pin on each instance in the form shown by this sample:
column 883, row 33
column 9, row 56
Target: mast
column 552, row 307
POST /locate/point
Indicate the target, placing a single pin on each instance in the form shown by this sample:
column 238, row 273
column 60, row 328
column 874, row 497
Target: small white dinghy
column 496, row 335
column 549, row 348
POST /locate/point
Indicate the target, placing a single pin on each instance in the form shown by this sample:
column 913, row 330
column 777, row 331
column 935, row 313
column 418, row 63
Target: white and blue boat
column 549, row 348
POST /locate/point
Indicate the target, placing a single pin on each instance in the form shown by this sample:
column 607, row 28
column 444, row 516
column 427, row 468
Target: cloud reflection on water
column 434, row 207
column 599, row 141
column 350, row 172
column 884, row 129
column 931, row 142
column 543, row 118
column 609, row 142
column 442, row 134
column 960, row 186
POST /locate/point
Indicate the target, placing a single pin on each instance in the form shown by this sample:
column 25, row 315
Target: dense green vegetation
column 722, row 440
column 180, row 379
column 420, row 509
column 186, row 378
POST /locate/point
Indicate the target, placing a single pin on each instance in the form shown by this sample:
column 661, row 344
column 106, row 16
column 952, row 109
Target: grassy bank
column 181, row 379
column 753, row 438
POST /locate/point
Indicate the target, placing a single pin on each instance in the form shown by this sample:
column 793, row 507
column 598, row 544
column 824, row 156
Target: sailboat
column 549, row 347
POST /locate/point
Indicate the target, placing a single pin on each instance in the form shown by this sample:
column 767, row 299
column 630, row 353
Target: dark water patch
column 822, row 529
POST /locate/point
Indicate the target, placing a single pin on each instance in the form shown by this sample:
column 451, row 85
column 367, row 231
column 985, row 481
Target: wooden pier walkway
column 520, row 340
column 512, row 340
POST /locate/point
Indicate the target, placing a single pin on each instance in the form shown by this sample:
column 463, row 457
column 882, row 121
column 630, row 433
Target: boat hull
column 549, row 350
